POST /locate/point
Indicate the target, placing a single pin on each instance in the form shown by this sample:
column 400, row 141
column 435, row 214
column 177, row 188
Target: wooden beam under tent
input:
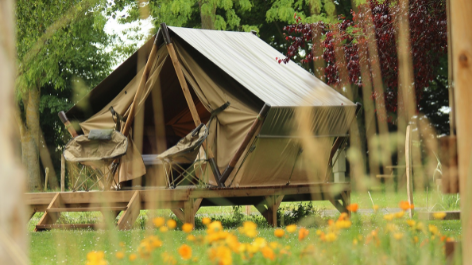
column 188, row 98
column 184, row 201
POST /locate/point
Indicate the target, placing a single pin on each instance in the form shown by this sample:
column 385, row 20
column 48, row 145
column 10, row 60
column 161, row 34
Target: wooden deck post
column 189, row 213
column 131, row 213
column 409, row 168
column 63, row 173
column 268, row 208
column 49, row 218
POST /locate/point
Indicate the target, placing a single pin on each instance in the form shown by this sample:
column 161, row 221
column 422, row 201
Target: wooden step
column 65, row 226
column 85, row 209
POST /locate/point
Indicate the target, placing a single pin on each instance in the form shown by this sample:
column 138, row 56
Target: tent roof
column 251, row 62
column 243, row 56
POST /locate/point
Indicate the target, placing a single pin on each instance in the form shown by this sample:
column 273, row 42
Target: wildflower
column 399, row 215
column 221, row 255
column 132, row 257
column 415, row 239
column 389, row 217
column 352, row 207
column 391, row 227
column 191, row 238
column 302, row 233
column 309, row 250
column 268, row 253
column 259, row 242
column 168, row 259
column 330, row 237
column 354, row 242
column 279, row 232
column 375, row 207
column 159, row 221
column 206, row 220
column 439, row 215
column 120, row 255
column 330, row 222
column 163, row 229
column 291, row 228
column 433, row 229
column 171, row 223
column 185, row 252
column 249, row 229
column 342, row 216
column 398, row 236
column 449, row 239
column 214, row 226
column 187, row 228
column 411, row 223
column 343, row 224
column 404, row 205
column 96, row 257
column 274, row 245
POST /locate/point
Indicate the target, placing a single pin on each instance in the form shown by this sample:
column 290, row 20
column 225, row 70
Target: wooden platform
column 183, row 201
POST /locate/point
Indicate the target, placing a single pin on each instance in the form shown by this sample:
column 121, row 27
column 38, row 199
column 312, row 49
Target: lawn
column 371, row 239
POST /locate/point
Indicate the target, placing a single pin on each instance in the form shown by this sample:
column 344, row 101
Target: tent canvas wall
column 220, row 67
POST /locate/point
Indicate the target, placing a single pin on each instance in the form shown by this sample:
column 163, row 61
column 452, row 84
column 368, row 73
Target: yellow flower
column 302, row 233
column 259, row 242
column 249, row 229
column 342, row 224
column 96, row 257
column 391, row 227
column 185, row 252
column 291, row 228
column 187, row 228
column 279, row 232
column 433, row 229
column 206, row 220
column 232, row 242
column 354, row 242
column 398, row 236
column 120, row 255
column 163, row 229
column 375, row 207
column 389, row 217
column 159, row 221
column 420, row 226
column 319, row 232
column 411, row 223
column 415, row 239
column 132, row 257
column 168, row 259
column 171, row 223
column 399, row 215
column 274, row 245
column 221, row 255
column 330, row 237
column 439, row 215
column 214, row 226
column 268, row 253
column 191, row 238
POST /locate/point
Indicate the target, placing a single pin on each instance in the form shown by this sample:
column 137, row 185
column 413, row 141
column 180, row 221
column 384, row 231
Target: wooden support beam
column 85, row 209
column 129, row 216
column 189, row 213
column 179, row 213
column 196, row 205
column 31, row 212
column 63, row 173
column 268, row 208
column 51, row 218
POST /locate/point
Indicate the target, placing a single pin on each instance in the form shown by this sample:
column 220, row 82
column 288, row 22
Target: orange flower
column 268, row 253
column 206, row 220
column 187, row 228
column 342, row 216
column 159, row 221
column 120, row 255
column 302, row 233
column 132, row 257
column 279, row 232
column 352, row 207
column 404, row 205
column 171, row 223
column 185, row 252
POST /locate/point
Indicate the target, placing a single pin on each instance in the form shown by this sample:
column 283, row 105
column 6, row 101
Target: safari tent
column 219, row 67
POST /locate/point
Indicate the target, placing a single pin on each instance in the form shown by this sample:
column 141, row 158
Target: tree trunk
column 207, row 19
column 13, row 243
column 30, row 138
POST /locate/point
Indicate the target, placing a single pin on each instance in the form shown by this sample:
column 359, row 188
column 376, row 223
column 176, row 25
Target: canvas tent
column 220, row 67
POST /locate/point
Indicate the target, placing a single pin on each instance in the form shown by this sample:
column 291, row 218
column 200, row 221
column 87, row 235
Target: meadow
column 310, row 233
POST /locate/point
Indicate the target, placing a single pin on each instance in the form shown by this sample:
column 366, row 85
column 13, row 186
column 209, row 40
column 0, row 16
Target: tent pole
column 260, row 118
column 188, row 98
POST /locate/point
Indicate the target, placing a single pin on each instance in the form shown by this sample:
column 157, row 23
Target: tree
column 428, row 25
column 56, row 41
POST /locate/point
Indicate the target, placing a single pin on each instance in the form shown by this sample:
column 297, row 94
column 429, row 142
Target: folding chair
column 186, row 151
